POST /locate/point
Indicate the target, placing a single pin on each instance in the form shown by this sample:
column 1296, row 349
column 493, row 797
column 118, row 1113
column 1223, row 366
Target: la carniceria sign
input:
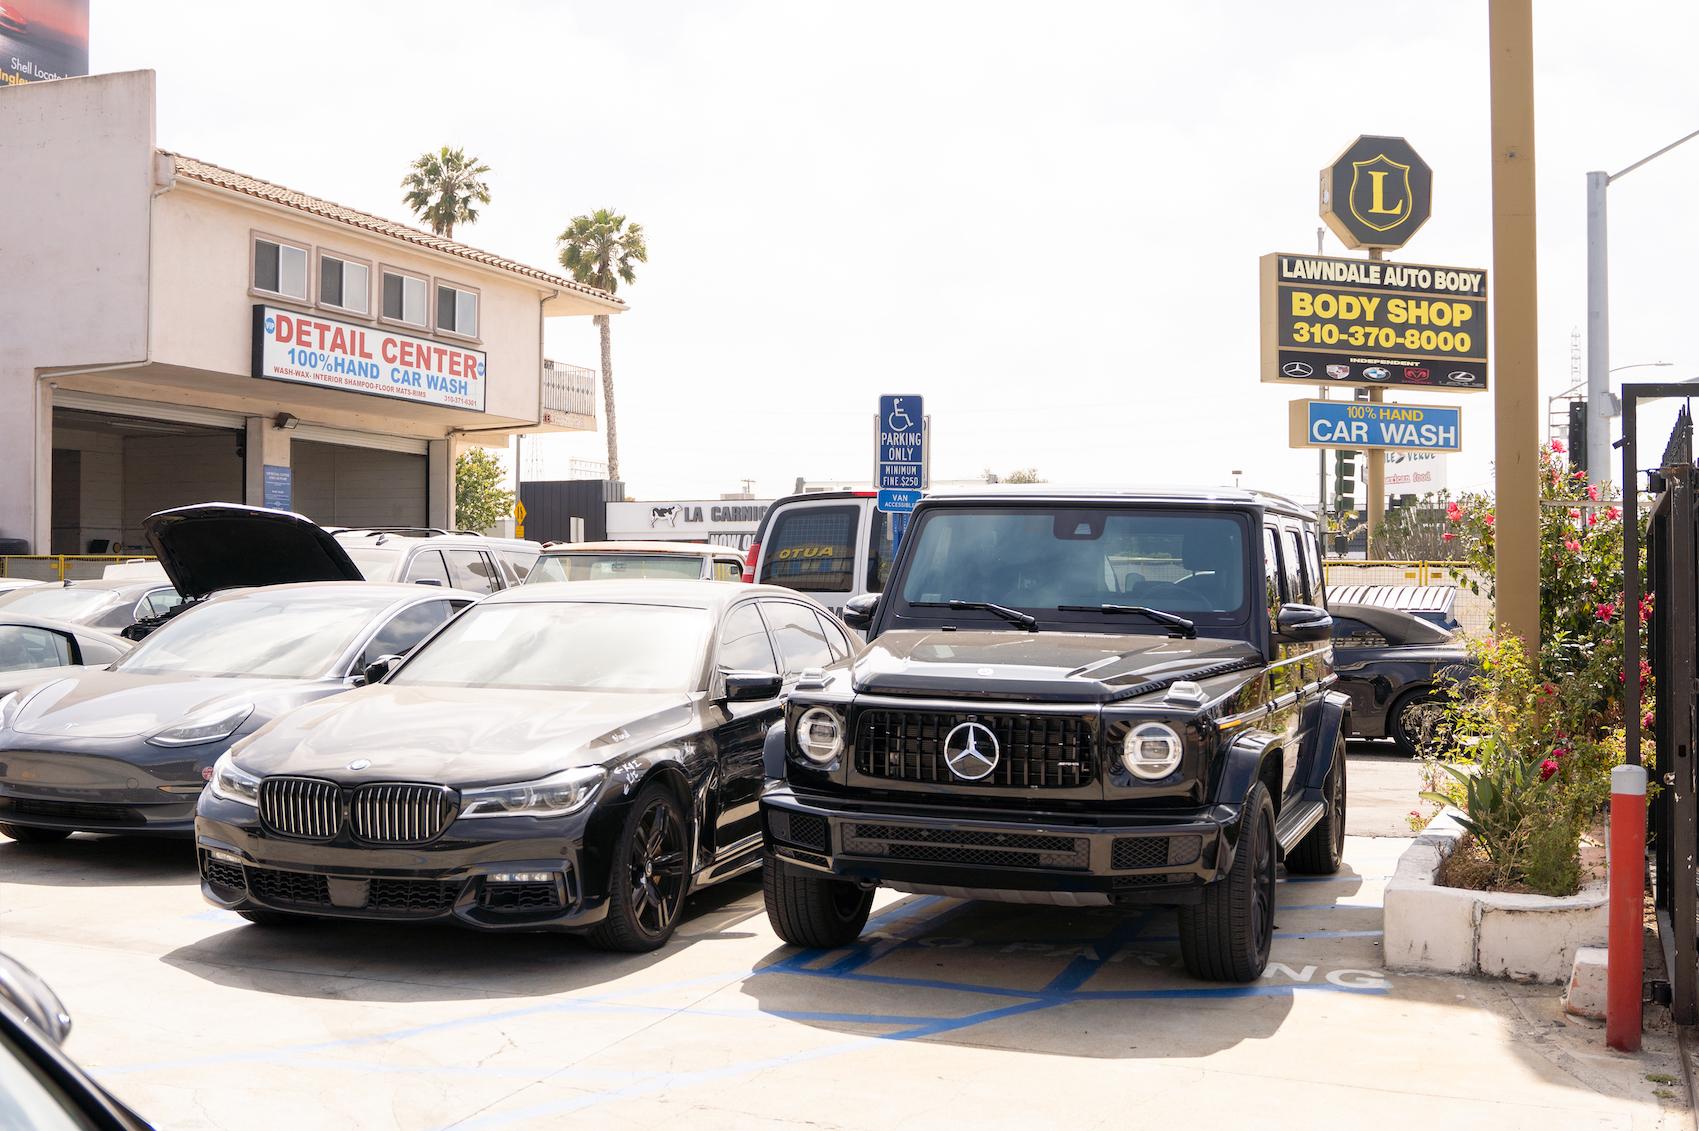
column 309, row 350
column 1372, row 322
column 1375, row 424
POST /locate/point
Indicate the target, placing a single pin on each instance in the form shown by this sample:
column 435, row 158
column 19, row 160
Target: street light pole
column 1598, row 314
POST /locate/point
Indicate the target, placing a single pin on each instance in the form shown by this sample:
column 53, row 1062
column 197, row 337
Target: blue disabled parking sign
column 900, row 452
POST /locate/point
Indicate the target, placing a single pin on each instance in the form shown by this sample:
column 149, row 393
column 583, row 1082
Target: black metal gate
column 1672, row 584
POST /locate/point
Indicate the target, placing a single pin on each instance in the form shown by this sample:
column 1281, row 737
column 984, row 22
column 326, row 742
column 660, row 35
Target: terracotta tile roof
column 221, row 177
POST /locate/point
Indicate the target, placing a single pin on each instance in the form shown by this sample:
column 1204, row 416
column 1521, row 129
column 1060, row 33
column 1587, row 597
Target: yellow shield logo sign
column 1380, row 192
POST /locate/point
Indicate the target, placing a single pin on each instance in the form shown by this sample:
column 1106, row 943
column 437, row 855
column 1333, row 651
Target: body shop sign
column 309, row 350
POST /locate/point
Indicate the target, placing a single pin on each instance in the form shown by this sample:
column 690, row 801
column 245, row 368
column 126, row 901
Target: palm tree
column 444, row 187
column 600, row 250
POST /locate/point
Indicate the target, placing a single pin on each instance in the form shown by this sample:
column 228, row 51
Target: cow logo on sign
column 1380, row 192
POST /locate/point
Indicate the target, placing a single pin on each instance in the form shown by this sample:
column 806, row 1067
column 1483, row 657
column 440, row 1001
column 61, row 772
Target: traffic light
column 1578, row 435
column 1344, row 481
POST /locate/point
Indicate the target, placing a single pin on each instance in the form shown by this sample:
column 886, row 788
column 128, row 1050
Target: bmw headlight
column 553, row 796
column 233, row 783
column 820, row 735
column 220, row 722
column 1151, row 751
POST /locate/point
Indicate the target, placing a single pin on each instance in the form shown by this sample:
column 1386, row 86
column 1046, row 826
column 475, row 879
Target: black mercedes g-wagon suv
column 1079, row 698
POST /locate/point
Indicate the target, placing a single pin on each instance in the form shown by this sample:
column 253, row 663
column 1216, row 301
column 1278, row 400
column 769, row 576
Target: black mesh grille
column 806, row 857
column 71, row 811
column 522, row 897
column 412, row 896
column 303, row 888
column 1152, row 879
column 303, row 808
column 968, row 846
column 400, row 813
column 221, row 873
column 805, row 829
column 1139, row 852
column 1034, row 751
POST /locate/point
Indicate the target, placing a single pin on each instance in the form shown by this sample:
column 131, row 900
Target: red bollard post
column 1625, row 964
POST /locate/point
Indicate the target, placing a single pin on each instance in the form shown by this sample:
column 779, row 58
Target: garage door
column 341, row 485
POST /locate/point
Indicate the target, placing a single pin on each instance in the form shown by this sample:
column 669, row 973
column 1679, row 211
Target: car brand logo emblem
column 1376, row 373
column 1297, row 369
column 1339, row 372
column 971, row 752
column 1461, row 377
column 1416, row 376
column 359, row 763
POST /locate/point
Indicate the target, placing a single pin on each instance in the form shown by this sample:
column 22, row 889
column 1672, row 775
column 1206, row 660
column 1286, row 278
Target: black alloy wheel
column 24, row 834
column 1414, row 720
column 649, row 875
column 1262, row 894
column 1322, row 850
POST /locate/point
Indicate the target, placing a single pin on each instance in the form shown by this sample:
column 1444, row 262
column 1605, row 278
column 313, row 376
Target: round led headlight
column 820, row 735
column 1151, row 751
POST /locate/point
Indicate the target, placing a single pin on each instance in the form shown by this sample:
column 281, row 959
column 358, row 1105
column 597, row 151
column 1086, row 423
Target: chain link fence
column 1472, row 610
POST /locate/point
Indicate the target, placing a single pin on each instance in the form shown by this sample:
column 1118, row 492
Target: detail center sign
column 309, row 350
column 900, row 453
column 1372, row 322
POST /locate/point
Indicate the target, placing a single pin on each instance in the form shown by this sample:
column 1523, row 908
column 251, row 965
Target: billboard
column 1375, row 424
column 42, row 39
column 309, row 350
column 1373, row 322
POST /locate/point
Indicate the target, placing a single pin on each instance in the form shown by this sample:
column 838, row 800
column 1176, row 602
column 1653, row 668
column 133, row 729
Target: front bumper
column 1001, row 854
column 244, row 867
column 103, row 788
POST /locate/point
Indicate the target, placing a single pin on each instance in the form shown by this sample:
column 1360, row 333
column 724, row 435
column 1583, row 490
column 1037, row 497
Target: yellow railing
column 1353, row 571
column 58, row 567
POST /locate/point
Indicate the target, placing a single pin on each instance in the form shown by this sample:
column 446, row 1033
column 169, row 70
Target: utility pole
column 1516, row 386
column 1374, row 460
column 1321, row 453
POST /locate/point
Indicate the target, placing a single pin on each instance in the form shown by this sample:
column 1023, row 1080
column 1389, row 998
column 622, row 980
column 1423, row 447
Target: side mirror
column 437, row 581
column 858, row 611
column 375, row 671
column 748, row 686
column 1298, row 624
column 25, row 990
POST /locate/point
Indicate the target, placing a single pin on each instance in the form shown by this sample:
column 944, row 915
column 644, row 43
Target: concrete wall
column 98, row 500
column 74, row 254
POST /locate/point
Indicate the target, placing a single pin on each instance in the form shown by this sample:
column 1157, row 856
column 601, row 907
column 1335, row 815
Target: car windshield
column 565, row 646
column 292, row 633
column 1041, row 559
column 62, row 602
column 375, row 564
column 607, row 567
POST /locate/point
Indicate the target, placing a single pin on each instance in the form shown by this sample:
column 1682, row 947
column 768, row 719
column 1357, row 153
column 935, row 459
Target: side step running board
column 1296, row 821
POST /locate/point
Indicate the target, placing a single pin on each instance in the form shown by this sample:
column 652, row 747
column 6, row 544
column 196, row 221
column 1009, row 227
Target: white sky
column 1044, row 218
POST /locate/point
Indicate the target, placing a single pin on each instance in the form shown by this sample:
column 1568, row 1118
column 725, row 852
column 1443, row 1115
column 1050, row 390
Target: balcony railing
column 569, row 388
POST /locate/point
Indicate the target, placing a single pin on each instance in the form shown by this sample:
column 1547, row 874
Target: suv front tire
column 1226, row 936
column 813, row 911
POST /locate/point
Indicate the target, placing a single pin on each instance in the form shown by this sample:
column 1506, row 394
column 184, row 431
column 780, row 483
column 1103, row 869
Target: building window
column 404, row 298
column 345, row 284
column 457, row 311
column 280, row 269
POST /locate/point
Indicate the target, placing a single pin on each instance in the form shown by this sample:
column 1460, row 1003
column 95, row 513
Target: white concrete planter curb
column 1527, row 938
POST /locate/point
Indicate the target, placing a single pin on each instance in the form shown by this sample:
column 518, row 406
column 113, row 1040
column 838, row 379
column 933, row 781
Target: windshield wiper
column 1013, row 616
column 1178, row 623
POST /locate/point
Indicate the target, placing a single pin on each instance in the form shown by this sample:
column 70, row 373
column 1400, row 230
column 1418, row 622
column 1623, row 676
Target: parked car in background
column 1397, row 668
column 832, row 545
column 41, row 1088
column 127, row 748
column 1436, row 604
column 571, row 757
column 428, row 556
column 34, row 643
column 1074, row 697
column 617, row 561
column 7, row 584
column 113, row 604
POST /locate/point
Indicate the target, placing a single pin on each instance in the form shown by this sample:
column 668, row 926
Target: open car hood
column 216, row 546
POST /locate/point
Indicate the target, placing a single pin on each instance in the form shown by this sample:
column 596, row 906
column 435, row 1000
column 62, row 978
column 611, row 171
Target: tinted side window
column 427, row 566
column 1318, row 579
column 405, row 629
column 1349, row 632
column 879, row 551
column 1271, row 570
column 728, row 569
column 1297, row 580
column 801, row 640
column 22, row 647
column 812, row 549
column 158, row 603
column 472, row 570
column 835, row 637
column 743, row 642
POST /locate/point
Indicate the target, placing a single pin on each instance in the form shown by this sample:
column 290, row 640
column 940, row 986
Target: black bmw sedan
column 568, row 757
column 1398, row 670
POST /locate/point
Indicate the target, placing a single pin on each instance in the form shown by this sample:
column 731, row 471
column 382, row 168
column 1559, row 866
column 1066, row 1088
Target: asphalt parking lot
column 944, row 1014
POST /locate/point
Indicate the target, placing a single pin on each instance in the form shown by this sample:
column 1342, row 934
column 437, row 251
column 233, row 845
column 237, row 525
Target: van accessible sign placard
column 309, row 350
column 1373, row 424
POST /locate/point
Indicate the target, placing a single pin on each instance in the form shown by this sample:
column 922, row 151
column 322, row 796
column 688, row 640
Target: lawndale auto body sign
column 1371, row 322
column 309, row 350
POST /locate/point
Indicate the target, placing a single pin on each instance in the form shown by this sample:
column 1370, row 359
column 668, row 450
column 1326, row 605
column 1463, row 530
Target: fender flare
column 1328, row 721
column 1243, row 765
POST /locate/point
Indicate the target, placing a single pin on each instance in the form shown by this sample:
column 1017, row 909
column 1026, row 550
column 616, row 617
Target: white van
column 831, row 545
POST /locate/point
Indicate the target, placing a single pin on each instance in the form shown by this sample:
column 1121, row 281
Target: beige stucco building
column 174, row 332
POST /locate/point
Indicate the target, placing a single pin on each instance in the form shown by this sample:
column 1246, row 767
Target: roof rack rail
column 412, row 531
